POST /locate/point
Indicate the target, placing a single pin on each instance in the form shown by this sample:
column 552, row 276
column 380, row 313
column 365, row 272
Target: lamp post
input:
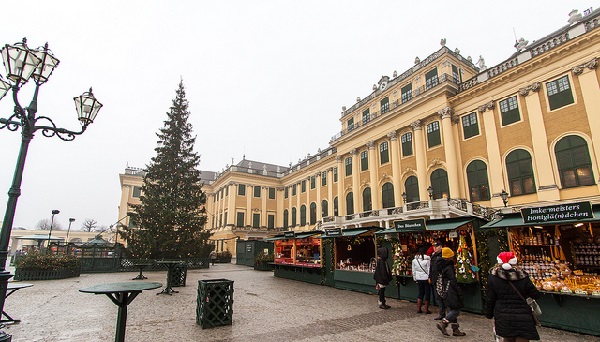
column 504, row 196
column 404, row 197
column 430, row 192
column 54, row 212
column 23, row 63
column 71, row 220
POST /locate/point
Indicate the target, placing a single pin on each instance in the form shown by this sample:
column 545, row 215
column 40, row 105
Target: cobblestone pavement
column 265, row 308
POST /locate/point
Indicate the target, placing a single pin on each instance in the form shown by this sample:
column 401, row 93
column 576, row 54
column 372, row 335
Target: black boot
column 427, row 312
column 442, row 326
column 419, row 305
column 455, row 331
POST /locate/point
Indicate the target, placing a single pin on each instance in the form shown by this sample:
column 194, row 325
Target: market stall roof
column 304, row 235
column 516, row 220
column 353, row 231
column 448, row 224
column 97, row 241
column 298, row 235
column 39, row 237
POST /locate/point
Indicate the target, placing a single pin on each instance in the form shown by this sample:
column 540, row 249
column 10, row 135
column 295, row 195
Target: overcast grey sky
column 263, row 78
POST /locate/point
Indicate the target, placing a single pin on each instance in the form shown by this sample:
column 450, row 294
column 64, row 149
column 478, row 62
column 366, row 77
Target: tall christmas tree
column 169, row 222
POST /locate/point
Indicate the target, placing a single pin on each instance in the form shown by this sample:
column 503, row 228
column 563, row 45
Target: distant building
column 445, row 130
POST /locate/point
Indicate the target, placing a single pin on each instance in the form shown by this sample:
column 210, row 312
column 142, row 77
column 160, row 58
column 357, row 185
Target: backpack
column 439, row 288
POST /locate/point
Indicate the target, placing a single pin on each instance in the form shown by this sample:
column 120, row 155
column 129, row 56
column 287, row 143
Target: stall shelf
column 298, row 256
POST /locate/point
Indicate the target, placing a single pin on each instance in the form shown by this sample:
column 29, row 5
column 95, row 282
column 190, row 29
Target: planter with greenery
column 263, row 262
column 40, row 266
column 223, row 257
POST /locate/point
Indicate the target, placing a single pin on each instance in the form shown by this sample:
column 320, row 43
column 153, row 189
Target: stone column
column 495, row 166
column 340, row 187
column 249, row 194
column 264, row 193
column 318, row 190
column 421, row 159
column 355, row 180
column 298, row 203
column 279, row 191
column 330, row 191
column 396, row 167
column 450, row 151
column 231, row 216
column 373, row 167
column 590, row 90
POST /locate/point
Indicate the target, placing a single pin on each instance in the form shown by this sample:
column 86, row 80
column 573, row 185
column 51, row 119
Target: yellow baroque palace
column 445, row 138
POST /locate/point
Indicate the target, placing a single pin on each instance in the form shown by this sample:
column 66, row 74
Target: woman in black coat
column 382, row 275
column 454, row 297
column 513, row 316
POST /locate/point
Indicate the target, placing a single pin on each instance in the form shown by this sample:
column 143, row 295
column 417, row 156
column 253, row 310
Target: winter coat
column 446, row 270
column 433, row 271
column 382, row 275
column 512, row 315
column 420, row 267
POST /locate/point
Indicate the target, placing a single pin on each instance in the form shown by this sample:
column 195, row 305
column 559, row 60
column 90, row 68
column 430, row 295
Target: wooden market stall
column 298, row 256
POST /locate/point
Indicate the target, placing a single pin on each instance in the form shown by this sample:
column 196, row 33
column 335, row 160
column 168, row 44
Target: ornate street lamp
column 404, row 197
column 22, row 64
column 430, row 192
column 71, row 220
column 504, row 196
column 54, row 212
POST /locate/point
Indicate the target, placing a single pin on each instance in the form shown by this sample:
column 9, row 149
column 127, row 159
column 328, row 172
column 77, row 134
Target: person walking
column 449, row 292
column 420, row 271
column 433, row 275
column 213, row 256
column 382, row 276
column 507, row 288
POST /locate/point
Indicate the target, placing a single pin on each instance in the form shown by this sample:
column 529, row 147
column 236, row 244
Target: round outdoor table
column 170, row 266
column 141, row 266
column 10, row 289
column 122, row 294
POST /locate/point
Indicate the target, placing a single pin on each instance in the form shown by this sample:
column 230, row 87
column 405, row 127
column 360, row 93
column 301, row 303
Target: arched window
column 294, row 217
column 574, row 163
column 335, row 207
column 286, row 217
column 411, row 187
column 349, row 204
column 313, row 213
column 367, row 204
column 303, row 215
column 387, row 195
column 324, row 208
column 520, row 173
column 439, row 183
column 477, row 177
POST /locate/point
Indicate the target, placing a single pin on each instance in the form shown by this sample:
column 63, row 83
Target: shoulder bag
column 535, row 308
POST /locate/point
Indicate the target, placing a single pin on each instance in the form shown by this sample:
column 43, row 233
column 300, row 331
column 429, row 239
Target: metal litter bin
column 215, row 303
column 179, row 275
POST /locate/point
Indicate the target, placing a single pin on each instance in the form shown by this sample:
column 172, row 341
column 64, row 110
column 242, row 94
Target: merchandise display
column 355, row 253
column 300, row 251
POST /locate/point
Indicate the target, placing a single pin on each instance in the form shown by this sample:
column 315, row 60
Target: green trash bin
column 215, row 302
column 179, row 275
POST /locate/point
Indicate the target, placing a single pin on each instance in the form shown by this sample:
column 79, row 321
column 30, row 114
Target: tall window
column 350, row 124
column 574, row 163
column 241, row 190
column 303, row 184
column 364, row 160
column 431, row 78
column 313, row 213
column 271, row 221
column 520, row 173
column 271, row 193
column 349, row 204
column 367, row 204
column 406, row 92
column 509, row 109
column 387, row 195
column 366, row 117
column 294, row 190
column 227, row 191
column 559, row 93
column 385, row 105
column 286, row 192
column 286, row 218
column 406, row 139
column 433, row 134
column 294, row 217
column 469, row 124
column 335, row 175
column 324, row 178
column 348, row 166
column 313, row 182
column 225, row 219
column 478, row 181
column 239, row 222
column 411, row 187
column 324, row 208
column 303, row 215
column 257, row 190
column 137, row 192
column 384, row 155
column 455, row 74
column 439, row 183
column 335, row 207
column 255, row 220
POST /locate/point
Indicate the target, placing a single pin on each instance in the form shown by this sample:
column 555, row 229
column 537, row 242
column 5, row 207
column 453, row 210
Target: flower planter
column 263, row 266
column 37, row 274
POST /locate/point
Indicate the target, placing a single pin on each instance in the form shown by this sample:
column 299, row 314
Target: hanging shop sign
column 289, row 234
column 333, row 232
column 412, row 225
column 559, row 212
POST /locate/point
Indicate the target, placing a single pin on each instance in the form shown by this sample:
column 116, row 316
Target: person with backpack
column 382, row 276
column 449, row 292
column 420, row 272
column 433, row 275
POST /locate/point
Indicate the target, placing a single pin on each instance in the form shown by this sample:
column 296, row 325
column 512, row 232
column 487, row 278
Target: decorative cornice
column 353, row 152
column 593, row 64
column 338, row 159
column 393, row 135
column 535, row 87
column 446, row 112
column 486, row 106
column 435, row 162
column 280, row 188
column 417, row 125
column 370, row 144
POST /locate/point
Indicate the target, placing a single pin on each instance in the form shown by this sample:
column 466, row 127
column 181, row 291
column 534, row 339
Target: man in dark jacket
column 433, row 275
column 382, row 275
column 512, row 315
column 452, row 296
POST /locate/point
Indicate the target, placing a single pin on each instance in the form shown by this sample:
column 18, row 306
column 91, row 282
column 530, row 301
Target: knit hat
column 447, row 253
column 507, row 259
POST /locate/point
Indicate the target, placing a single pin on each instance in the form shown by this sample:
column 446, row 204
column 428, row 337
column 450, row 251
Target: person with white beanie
column 507, row 287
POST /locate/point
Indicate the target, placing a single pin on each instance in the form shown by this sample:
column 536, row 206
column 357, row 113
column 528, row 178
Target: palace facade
column 445, row 138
